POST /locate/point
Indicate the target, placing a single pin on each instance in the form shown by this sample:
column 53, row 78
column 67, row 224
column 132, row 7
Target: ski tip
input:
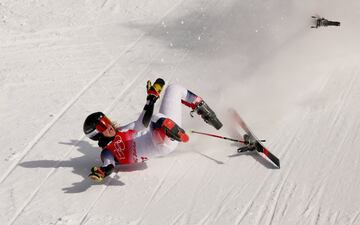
column 277, row 163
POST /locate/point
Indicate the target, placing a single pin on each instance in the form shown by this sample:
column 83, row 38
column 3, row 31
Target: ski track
column 204, row 220
column 251, row 202
column 158, row 187
column 206, row 178
column 102, row 191
column 246, row 209
column 286, row 154
column 355, row 218
column 215, row 210
column 335, row 218
column 283, row 157
column 37, row 189
column 177, row 219
column 287, row 197
column 280, row 189
column 320, row 188
column 177, row 181
column 205, row 181
column 316, row 217
column 56, row 167
column 64, row 110
column 219, row 210
column 265, row 206
column 290, row 143
column 53, row 170
column 294, row 139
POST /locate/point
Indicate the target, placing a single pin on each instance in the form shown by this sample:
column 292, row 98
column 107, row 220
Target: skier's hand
column 96, row 174
column 155, row 89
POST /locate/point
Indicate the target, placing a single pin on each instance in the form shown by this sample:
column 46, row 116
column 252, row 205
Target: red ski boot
column 167, row 127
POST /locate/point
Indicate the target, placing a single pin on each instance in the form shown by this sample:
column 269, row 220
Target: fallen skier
column 148, row 136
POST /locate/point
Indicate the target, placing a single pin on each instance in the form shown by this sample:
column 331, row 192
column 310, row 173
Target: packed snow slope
column 296, row 87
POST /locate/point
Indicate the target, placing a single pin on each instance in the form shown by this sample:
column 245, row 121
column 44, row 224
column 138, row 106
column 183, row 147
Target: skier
column 322, row 22
column 137, row 141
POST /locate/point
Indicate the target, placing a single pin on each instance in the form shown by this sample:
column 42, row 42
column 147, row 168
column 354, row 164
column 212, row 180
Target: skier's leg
column 171, row 102
column 176, row 93
column 107, row 158
column 166, row 125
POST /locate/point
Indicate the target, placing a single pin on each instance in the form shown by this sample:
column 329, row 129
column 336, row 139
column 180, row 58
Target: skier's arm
column 107, row 169
column 153, row 94
column 99, row 173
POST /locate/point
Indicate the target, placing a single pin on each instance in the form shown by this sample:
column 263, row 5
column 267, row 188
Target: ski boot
column 167, row 127
column 246, row 138
column 249, row 144
column 208, row 115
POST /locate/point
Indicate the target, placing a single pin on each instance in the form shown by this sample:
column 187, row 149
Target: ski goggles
column 103, row 124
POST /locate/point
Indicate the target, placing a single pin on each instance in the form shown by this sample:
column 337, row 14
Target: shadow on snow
column 81, row 166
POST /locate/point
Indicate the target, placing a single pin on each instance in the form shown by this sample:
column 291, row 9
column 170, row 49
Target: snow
column 296, row 87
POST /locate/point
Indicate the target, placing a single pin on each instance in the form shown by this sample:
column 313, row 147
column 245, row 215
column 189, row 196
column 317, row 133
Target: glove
column 153, row 91
column 96, row 174
column 99, row 173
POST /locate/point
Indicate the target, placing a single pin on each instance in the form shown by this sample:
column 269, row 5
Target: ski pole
column 218, row 136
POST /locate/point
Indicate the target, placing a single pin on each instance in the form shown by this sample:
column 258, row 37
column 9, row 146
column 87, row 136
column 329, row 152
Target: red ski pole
column 218, row 136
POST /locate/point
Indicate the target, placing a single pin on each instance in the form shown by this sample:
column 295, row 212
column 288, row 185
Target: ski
column 322, row 22
column 251, row 141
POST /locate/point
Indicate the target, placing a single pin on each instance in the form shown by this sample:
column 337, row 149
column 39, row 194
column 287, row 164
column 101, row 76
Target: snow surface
column 297, row 87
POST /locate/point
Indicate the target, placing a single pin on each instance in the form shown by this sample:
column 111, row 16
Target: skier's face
column 105, row 127
column 109, row 132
